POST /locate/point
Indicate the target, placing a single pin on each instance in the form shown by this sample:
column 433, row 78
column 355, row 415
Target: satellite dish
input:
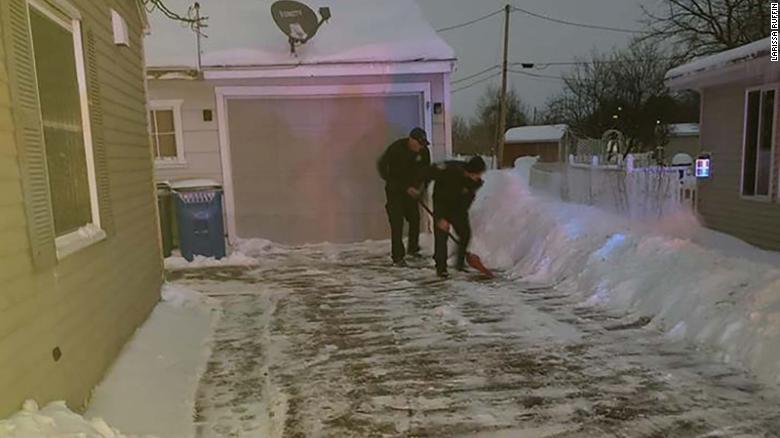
column 298, row 21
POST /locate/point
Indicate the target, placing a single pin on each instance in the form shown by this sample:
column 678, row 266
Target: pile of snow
column 151, row 387
column 243, row 33
column 532, row 134
column 54, row 420
column 255, row 247
column 236, row 258
column 696, row 284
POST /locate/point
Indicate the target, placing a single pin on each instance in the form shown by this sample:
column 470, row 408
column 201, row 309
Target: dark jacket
column 453, row 192
column 402, row 168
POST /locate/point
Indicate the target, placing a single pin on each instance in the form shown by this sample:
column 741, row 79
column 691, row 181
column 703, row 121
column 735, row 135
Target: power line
column 493, row 76
column 468, row 23
column 535, row 75
column 475, row 75
column 572, row 23
column 542, row 65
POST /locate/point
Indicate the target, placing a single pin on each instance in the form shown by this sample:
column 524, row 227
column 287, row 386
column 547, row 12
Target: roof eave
column 732, row 72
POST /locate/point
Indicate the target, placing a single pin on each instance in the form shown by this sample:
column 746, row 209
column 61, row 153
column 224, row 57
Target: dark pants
column 400, row 207
column 462, row 227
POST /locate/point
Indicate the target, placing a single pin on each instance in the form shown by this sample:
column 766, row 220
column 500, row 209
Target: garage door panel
column 310, row 176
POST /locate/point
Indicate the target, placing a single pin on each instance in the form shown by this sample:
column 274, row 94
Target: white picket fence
column 635, row 192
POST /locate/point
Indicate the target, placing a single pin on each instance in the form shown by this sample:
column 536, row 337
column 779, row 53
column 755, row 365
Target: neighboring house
column 683, row 138
column 80, row 263
column 738, row 125
column 295, row 139
column 548, row 142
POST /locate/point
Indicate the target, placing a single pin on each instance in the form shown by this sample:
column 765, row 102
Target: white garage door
column 304, row 169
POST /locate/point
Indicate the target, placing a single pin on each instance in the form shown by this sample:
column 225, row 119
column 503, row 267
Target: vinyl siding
column 720, row 205
column 201, row 139
column 91, row 302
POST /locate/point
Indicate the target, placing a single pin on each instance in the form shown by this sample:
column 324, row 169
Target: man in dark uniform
column 403, row 167
column 456, row 186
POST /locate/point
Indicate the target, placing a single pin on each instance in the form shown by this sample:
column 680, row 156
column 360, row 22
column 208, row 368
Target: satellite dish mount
column 298, row 21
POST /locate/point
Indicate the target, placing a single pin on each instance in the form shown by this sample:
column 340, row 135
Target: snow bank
column 54, row 421
column 696, row 284
column 151, row 387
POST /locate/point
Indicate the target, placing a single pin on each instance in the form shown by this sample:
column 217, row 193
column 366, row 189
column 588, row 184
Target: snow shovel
column 472, row 259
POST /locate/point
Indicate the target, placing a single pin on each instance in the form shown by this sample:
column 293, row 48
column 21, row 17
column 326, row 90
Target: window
column 60, row 77
column 758, row 153
column 165, row 130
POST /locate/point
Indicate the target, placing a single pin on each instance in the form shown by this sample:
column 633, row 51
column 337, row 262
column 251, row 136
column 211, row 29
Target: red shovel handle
column 472, row 259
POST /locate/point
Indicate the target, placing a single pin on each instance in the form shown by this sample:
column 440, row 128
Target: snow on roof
column 720, row 60
column 243, row 33
column 684, row 130
column 528, row 134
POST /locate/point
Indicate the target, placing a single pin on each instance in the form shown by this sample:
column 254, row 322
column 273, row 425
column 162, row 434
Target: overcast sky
column 531, row 40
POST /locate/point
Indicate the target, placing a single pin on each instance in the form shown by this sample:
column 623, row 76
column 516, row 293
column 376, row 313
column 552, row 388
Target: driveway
column 330, row 341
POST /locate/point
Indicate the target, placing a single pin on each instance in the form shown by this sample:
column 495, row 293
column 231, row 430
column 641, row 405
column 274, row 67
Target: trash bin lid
column 195, row 184
column 166, row 185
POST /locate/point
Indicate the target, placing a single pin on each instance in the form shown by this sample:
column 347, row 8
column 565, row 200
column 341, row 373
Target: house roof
column 531, row 134
column 684, row 130
column 242, row 33
column 720, row 60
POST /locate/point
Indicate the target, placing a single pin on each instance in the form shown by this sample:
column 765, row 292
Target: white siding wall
column 201, row 138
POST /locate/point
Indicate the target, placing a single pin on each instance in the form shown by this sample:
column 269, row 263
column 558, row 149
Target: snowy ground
column 330, row 341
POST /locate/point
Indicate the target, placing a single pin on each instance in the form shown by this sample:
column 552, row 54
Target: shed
column 294, row 138
column 683, row 139
column 544, row 141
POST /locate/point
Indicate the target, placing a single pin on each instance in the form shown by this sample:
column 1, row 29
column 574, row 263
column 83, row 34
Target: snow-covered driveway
column 330, row 341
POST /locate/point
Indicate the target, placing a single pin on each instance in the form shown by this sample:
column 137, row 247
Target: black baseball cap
column 475, row 165
column 420, row 135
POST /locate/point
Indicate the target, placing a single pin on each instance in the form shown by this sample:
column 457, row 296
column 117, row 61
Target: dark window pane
column 751, row 144
column 61, row 112
column 167, row 145
column 765, row 145
column 164, row 121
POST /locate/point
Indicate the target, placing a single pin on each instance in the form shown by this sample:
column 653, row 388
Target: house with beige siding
column 294, row 138
column 738, row 128
column 79, row 250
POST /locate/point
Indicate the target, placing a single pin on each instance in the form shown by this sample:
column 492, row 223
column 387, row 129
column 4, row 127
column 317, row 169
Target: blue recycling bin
column 199, row 217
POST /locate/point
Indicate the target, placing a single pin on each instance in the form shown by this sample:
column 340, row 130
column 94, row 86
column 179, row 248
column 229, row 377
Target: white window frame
column 63, row 13
column 772, row 170
column 175, row 106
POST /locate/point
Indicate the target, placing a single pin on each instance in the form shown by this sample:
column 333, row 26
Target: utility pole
column 503, row 104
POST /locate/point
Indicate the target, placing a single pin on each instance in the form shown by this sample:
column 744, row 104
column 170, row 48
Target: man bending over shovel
column 456, row 185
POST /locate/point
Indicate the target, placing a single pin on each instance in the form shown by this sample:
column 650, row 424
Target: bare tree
column 461, row 136
column 704, row 27
column 484, row 127
column 623, row 90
